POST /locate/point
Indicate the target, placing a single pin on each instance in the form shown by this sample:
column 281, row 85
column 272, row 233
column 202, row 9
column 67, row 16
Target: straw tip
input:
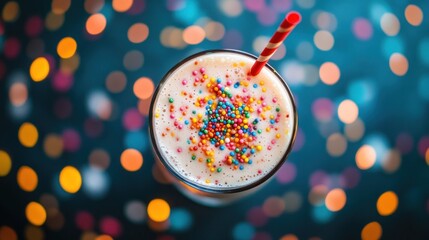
column 293, row 17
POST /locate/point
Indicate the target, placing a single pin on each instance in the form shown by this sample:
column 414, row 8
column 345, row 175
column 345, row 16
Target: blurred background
column 76, row 81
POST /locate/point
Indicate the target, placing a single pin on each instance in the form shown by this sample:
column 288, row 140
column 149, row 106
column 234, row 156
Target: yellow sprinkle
column 156, row 115
column 222, row 142
column 194, row 120
column 264, row 89
column 251, row 100
column 208, row 85
column 245, row 121
column 200, row 115
column 246, row 109
column 205, row 76
column 212, row 169
column 251, row 110
column 278, row 135
column 259, row 147
column 212, row 79
column 258, row 102
column 194, row 140
column 261, row 83
column 209, row 164
column 234, row 65
column 246, row 127
column 242, row 64
column 269, row 107
column 268, row 129
column 271, row 116
column 207, row 181
column 200, row 159
column 204, row 141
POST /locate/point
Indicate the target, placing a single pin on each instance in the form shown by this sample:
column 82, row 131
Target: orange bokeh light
column 96, row 24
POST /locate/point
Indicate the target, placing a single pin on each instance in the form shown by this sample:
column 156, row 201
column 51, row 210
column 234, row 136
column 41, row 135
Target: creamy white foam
column 172, row 126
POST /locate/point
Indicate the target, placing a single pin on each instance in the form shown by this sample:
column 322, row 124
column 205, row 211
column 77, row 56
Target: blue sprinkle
column 232, row 154
column 250, row 161
column 252, row 151
column 241, row 167
column 236, row 85
column 272, row 121
column 210, row 102
column 222, row 147
column 218, row 80
column 186, row 122
column 255, row 85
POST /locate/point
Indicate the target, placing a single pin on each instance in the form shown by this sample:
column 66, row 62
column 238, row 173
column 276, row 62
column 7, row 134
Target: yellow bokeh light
column 39, row 69
column 10, row 11
column 138, row 33
column 372, row 231
column 193, row 35
column 35, row 213
column 329, row 73
column 335, row 200
column 158, row 210
column 103, row 237
column 414, row 15
column 60, row 6
column 7, row 233
column 143, row 88
column 390, row 24
column 53, row 145
column 323, row 40
column 365, row 157
column 387, row 203
column 96, row 24
column 122, row 5
column 398, row 63
column 5, row 163
column 131, row 160
column 27, row 178
column 70, row 179
column 348, row 111
column 28, row 135
column 66, row 48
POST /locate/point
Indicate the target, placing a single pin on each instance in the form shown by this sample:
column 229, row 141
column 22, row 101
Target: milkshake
column 219, row 131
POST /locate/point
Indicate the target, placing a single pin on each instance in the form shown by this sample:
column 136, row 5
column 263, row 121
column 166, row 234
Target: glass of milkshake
column 217, row 131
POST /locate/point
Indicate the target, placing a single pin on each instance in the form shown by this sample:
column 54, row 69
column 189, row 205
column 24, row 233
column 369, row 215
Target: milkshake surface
column 217, row 127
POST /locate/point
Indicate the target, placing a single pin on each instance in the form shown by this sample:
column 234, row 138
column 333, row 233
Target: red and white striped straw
column 288, row 24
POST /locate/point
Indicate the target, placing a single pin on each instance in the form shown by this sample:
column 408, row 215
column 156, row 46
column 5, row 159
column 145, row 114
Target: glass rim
column 209, row 189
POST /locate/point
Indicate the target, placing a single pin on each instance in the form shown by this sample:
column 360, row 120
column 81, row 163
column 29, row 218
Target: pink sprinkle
column 269, row 147
column 179, row 150
column 194, row 73
column 274, row 100
column 228, row 83
column 240, row 131
column 202, row 70
column 184, row 82
column 244, row 89
column 262, row 97
column 180, row 126
column 259, row 110
column 172, row 116
column 273, row 141
column 241, row 141
column 181, row 109
column 264, row 104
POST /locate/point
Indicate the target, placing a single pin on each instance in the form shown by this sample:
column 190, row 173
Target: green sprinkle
column 277, row 109
column 219, row 169
column 259, row 131
column 208, row 160
column 194, row 157
column 171, row 100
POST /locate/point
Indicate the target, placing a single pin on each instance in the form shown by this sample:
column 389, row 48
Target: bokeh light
column 96, row 24
column 193, row 35
column 348, row 111
column 365, row 157
column 35, row 213
column 414, row 15
column 122, row 5
column 10, row 11
column 336, row 144
column 398, row 64
column 158, row 210
column 131, row 160
column 5, row 163
column 143, row 88
column 138, row 33
column 323, row 40
column 70, row 179
column 27, row 178
column 60, row 6
column 372, row 231
column 387, row 203
column 390, row 24
column 28, row 134
column 335, row 200
column 66, row 47
column 329, row 73
column 53, row 145
column 7, row 233
column 39, row 69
